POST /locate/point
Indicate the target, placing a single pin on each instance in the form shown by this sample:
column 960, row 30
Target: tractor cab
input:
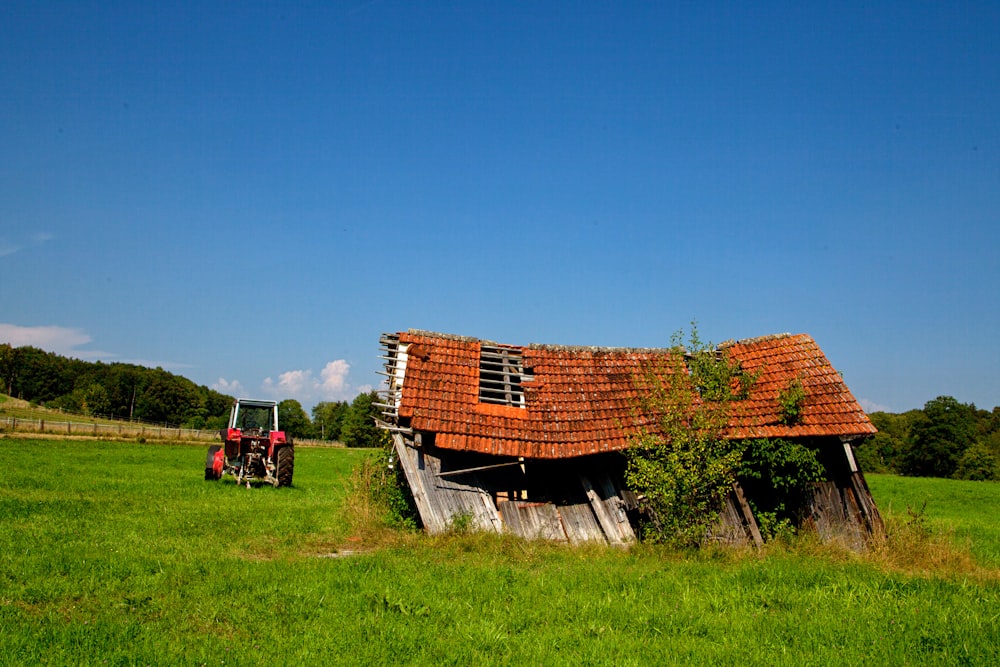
column 248, row 415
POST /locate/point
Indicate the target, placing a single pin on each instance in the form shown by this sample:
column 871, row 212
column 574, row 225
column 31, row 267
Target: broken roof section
column 552, row 402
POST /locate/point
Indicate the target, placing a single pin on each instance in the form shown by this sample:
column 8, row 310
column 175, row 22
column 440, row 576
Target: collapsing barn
column 528, row 440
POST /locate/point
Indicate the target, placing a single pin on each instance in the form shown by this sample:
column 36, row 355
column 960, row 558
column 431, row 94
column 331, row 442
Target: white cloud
column 872, row 406
column 8, row 247
column 303, row 386
column 64, row 341
column 294, row 383
column 334, row 378
column 224, row 386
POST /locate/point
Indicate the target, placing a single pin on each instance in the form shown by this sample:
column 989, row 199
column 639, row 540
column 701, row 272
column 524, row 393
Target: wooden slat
column 834, row 511
column 440, row 501
column 746, row 515
column 532, row 520
column 873, row 519
column 608, row 508
column 736, row 525
column 580, row 524
column 409, row 460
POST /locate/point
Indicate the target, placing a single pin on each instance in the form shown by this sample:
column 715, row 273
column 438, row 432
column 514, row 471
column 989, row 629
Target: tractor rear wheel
column 213, row 471
column 285, row 463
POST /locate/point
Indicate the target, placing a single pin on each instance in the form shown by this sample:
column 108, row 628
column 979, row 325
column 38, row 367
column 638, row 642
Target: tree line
column 352, row 424
column 115, row 390
column 138, row 393
column 946, row 438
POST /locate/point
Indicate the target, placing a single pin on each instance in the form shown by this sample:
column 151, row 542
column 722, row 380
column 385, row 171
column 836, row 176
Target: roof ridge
column 757, row 339
column 596, row 348
column 535, row 346
column 445, row 336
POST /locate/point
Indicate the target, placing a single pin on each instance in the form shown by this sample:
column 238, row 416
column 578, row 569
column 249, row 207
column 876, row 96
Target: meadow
column 116, row 553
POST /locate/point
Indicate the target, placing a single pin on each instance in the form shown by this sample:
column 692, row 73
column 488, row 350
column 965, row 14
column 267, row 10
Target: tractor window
column 254, row 417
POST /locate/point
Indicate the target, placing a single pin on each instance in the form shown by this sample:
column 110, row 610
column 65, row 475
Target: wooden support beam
column 450, row 473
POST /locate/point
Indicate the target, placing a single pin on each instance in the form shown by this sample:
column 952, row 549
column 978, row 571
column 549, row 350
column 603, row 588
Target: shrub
column 776, row 474
column 379, row 495
column 683, row 467
column 977, row 463
column 790, row 400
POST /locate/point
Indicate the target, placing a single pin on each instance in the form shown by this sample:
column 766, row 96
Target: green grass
column 970, row 509
column 121, row 554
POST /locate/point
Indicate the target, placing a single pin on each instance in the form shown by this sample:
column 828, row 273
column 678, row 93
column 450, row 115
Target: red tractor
column 254, row 448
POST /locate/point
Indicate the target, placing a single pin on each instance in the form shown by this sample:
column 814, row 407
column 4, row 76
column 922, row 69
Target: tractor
column 254, row 449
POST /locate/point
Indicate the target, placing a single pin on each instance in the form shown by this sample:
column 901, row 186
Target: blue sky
column 248, row 194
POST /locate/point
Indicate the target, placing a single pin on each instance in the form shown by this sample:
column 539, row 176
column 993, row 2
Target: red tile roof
column 583, row 400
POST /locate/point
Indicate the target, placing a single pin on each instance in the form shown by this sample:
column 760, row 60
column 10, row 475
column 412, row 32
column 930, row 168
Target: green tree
column 977, row 463
column 881, row 453
column 682, row 464
column 293, row 420
column 95, row 401
column 8, row 366
column 940, row 434
column 39, row 376
column 359, row 428
column 328, row 418
column 992, row 443
column 164, row 398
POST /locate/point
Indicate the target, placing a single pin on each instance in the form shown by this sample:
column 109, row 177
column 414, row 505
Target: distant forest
column 125, row 391
column 945, row 438
column 153, row 395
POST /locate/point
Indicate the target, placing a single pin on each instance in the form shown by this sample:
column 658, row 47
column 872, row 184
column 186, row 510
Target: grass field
column 121, row 554
column 971, row 510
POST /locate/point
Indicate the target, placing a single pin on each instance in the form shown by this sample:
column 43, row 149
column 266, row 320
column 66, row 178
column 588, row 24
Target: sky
column 248, row 194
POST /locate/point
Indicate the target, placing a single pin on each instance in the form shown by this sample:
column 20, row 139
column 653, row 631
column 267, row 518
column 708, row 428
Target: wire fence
column 127, row 430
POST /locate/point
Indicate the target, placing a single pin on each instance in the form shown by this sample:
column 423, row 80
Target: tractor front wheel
column 285, row 463
column 213, row 463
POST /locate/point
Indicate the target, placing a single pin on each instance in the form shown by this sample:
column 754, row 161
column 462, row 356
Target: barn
column 528, row 439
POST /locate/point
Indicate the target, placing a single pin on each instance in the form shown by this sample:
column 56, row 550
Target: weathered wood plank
column 834, row 512
column 874, row 525
column 439, row 501
column 409, row 460
column 746, row 516
column 580, row 523
column 532, row 520
column 608, row 508
column 730, row 528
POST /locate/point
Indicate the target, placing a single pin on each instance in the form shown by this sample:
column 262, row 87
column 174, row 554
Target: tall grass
column 116, row 553
column 965, row 511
